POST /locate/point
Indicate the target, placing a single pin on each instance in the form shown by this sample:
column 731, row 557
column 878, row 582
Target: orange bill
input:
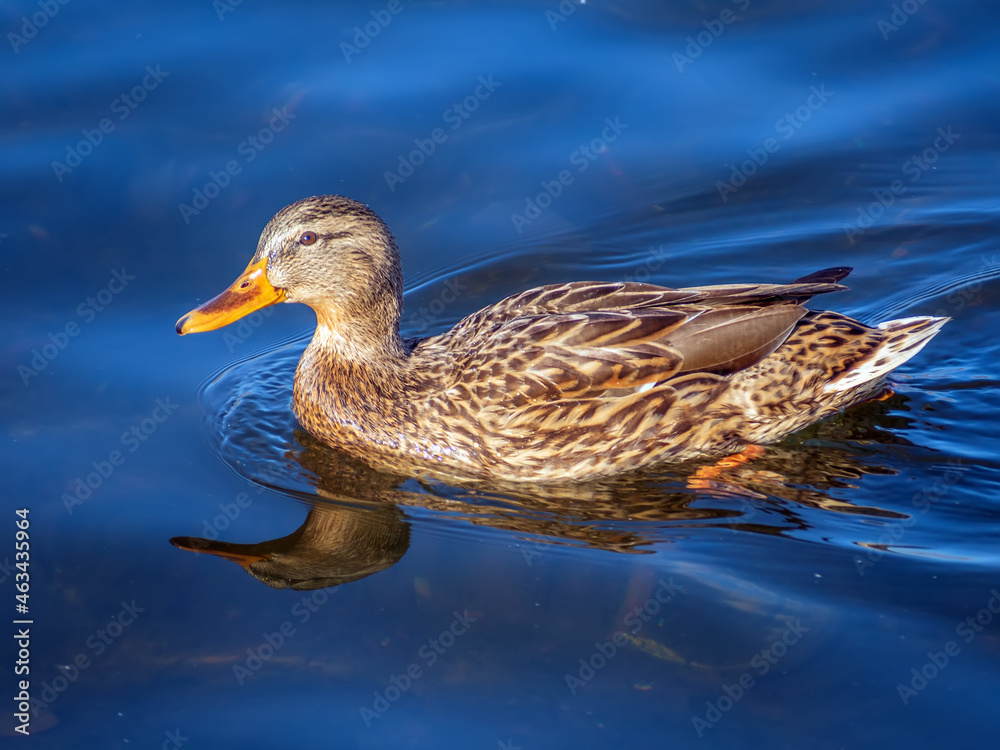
column 249, row 293
column 241, row 554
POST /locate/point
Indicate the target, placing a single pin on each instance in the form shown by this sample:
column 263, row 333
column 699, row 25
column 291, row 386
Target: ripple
column 795, row 490
column 249, row 421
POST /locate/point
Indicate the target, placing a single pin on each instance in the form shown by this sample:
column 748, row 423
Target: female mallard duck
column 567, row 381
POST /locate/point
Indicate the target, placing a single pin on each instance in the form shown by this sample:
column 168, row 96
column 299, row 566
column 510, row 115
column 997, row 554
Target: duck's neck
column 350, row 384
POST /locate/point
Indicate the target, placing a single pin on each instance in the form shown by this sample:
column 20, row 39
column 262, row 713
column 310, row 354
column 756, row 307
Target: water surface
column 819, row 597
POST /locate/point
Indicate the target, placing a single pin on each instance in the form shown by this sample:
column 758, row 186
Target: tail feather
column 826, row 276
column 903, row 339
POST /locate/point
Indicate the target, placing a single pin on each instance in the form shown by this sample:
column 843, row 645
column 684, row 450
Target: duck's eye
column 307, row 238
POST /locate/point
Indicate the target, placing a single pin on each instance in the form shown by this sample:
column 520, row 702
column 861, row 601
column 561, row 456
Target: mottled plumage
column 560, row 382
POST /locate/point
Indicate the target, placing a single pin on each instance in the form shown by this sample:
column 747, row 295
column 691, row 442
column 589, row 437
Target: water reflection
column 335, row 544
column 356, row 524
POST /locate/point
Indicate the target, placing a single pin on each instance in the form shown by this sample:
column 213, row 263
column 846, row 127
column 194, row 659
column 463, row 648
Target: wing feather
column 728, row 339
column 560, row 356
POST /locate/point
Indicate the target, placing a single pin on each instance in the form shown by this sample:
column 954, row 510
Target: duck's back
column 593, row 378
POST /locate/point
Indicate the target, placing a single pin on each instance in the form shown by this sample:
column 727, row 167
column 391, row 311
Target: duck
column 563, row 382
column 337, row 543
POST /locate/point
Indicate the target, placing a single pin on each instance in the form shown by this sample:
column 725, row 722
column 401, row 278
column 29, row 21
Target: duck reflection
column 356, row 525
column 334, row 545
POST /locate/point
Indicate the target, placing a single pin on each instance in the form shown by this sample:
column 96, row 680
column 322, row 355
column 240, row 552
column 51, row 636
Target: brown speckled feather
column 587, row 376
column 566, row 381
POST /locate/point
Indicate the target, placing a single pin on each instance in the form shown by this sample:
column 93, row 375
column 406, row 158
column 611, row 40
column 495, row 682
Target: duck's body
column 560, row 382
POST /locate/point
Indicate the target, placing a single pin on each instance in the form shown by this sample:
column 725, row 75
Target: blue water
column 818, row 597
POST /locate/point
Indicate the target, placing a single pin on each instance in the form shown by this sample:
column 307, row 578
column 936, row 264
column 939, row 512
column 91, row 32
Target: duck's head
column 329, row 252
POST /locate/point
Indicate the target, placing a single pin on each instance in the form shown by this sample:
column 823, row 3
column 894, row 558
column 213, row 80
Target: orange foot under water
column 707, row 477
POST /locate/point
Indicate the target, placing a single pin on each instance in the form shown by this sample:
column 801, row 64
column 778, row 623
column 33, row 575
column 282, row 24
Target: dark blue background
column 649, row 203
